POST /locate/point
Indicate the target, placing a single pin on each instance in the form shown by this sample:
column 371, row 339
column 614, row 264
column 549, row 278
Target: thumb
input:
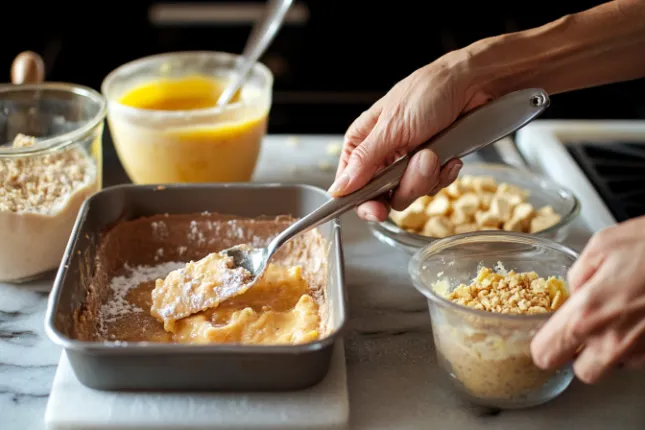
column 364, row 161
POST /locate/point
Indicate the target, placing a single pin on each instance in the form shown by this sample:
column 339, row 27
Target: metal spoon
column 27, row 68
column 261, row 36
column 473, row 131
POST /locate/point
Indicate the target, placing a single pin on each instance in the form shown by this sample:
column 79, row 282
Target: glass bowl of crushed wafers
column 488, row 294
column 50, row 162
column 485, row 197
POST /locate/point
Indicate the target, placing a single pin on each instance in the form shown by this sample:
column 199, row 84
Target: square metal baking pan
column 156, row 366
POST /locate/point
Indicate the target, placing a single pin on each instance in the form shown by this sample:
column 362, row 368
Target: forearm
column 598, row 46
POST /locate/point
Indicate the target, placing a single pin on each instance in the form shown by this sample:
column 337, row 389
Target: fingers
column 373, row 211
column 421, row 175
column 366, row 158
column 449, row 173
column 598, row 356
column 581, row 316
column 557, row 341
column 581, row 271
column 622, row 342
column 356, row 133
column 424, row 177
column 586, row 313
column 587, row 264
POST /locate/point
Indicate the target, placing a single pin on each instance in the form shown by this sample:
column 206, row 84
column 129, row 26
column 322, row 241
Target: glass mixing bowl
column 44, row 181
column 209, row 144
column 486, row 354
column 543, row 191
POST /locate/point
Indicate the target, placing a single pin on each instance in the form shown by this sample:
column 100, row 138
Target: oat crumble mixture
column 38, row 184
column 491, row 359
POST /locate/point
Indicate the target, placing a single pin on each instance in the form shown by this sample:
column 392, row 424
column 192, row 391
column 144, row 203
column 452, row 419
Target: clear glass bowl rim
column 61, row 141
column 258, row 67
column 388, row 228
column 421, row 255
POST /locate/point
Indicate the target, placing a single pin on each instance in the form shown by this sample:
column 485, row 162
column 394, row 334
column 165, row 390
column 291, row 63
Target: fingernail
column 427, row 164
column 370, row 218
column 339, row 184
column 541, row 361
column 454, row 172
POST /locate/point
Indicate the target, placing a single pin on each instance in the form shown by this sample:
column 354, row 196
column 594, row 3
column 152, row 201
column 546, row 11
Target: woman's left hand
column 606, row 310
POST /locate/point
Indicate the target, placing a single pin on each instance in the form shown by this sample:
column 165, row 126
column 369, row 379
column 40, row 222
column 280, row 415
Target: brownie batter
column 287, row 305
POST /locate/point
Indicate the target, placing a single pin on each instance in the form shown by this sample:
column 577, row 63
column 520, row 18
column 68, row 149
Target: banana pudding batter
column 167, row 270
column 199, row 286
column 276, row 310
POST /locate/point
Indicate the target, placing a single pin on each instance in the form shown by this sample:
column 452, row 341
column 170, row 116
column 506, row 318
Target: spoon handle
column 469, row 133
column 27, row 68
column 261, row 36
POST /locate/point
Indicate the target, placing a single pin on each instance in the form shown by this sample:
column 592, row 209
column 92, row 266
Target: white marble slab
column 321, row 407
column 393, row 379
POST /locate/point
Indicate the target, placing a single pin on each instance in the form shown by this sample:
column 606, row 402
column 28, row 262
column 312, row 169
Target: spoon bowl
column 252, row 259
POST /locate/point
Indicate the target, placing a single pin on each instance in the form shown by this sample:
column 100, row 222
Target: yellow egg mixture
column 218, row 148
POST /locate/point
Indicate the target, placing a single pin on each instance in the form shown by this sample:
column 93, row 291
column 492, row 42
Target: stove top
column 617, row 172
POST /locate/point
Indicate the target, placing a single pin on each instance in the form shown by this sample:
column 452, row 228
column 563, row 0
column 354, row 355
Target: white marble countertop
column 393, row 378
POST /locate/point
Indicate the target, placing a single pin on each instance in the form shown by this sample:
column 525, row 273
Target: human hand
column 414, row 110
column 606, row 310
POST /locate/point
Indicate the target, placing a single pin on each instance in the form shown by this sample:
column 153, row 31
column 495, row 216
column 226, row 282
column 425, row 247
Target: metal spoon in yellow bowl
column 261, row 36
column 27, row 68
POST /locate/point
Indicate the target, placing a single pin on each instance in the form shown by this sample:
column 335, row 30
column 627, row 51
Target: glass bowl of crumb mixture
column 50, row 162
column 488, row 294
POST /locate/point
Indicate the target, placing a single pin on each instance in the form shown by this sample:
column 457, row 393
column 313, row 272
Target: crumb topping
column 512, row 293
column 39, row 183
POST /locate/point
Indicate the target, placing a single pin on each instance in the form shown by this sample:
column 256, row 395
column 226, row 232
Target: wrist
column 590, row 48
column 502, row 64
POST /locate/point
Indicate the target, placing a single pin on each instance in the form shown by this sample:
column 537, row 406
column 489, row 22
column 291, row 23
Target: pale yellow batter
column 200, row 285
column 276, row 310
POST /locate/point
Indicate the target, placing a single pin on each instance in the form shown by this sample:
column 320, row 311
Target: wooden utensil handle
column 27, row 68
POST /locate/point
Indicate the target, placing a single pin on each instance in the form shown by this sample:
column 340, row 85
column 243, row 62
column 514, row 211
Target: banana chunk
column 468, row 203
column 413, row 217
column 545, row 218
column 473, row 203
column 438, row 226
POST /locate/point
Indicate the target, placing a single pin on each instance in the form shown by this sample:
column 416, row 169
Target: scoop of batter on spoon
column 198, row 286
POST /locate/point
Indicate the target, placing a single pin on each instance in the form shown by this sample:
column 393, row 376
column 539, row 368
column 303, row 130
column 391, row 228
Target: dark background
column 327, row 70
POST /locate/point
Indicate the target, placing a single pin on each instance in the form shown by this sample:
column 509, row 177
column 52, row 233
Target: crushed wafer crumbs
column 511, row 293
column 38, row 183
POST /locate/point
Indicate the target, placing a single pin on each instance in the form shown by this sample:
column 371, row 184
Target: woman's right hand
column 414, row 110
